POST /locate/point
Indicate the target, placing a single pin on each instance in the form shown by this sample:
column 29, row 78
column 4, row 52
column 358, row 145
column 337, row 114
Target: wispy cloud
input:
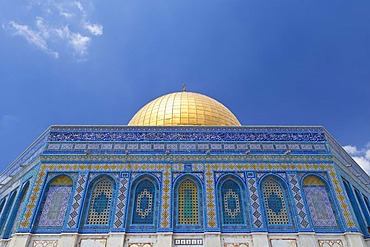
column 361, row 156
column 57, row 24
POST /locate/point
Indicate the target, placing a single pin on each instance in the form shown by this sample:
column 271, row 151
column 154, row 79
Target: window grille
column 275, row 205
column 100, row 204
column 188, row 203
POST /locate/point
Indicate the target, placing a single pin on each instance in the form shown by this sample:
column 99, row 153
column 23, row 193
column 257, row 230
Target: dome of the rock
column 184, row 109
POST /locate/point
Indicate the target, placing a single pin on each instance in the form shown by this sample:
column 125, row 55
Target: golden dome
column 184, row 108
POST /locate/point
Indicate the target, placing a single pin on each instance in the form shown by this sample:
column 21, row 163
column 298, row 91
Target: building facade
column 184, row 172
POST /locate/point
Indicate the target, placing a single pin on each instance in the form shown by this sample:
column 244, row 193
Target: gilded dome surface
column 184, row 108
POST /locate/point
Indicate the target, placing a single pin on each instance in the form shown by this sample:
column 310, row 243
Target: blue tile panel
column 320, row 207
column 232, row 204
column 55, row 207
column 299, row 203
column 144, row 203
column 121, row 201
column 255, row 203
column 233, row 134
column 77, row 200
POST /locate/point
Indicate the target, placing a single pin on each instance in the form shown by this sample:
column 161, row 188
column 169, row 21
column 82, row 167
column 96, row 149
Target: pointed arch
column 231, row 202
column 143, row 204
column 98, row 208
column 277, row 210
column 15, row 217
column 319, row 202
column 55, row 200
column 188, row 213
column 358, row 215
column 5, row 216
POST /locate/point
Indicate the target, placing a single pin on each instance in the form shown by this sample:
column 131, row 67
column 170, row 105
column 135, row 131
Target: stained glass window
column 144, row 203
column 55, row 203
column 188, row 204
column 232, row 203
column 275, row 205
column 100, row 204
column 318, row 201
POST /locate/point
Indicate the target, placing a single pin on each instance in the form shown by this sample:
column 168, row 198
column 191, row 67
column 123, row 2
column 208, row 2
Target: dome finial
column 184, row 87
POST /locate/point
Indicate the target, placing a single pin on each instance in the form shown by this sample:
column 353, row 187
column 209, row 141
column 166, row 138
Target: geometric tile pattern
column 188, row 209
column 348, row 217
column 100, row 203
column 35, row 195
column 210, row 197
column 121, row 202
column 166, row 184
column 77, row 199
column 166, row 197
column 330, row 243
column 298, row 200
column 274, row 203
column 256, row 207
column 55, row 206
column 145, row 198
column 45, row 243
column 320, row 207
column 232, row 203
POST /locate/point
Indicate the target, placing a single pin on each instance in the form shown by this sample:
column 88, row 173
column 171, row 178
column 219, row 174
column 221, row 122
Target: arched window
column 2, row 204
column 319, row 202
column 360, row 220
column 55, row 203
column 188, row 205
column 7, row 210
column 276, row 208
column 99, row 207
column 143, row 204
column 231, row 201
column 17, row 212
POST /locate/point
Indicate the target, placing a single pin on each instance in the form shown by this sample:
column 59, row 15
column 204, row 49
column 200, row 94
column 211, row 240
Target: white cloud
column 94, row 29
column 37, row 38
column 351, row 149
column 361, row 156
column 56, row 25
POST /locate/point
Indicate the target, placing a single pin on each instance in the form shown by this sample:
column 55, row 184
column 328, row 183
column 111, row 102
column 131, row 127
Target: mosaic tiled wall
column 209, row 170
column 303, row 222
column 121, row 201
column 319, row 204
column 55, row 207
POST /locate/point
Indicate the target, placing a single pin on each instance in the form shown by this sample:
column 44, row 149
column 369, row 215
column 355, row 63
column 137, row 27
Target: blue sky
column 270, row 62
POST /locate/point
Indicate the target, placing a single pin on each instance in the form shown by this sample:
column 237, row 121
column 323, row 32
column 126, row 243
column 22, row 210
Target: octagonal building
column 184, row 173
